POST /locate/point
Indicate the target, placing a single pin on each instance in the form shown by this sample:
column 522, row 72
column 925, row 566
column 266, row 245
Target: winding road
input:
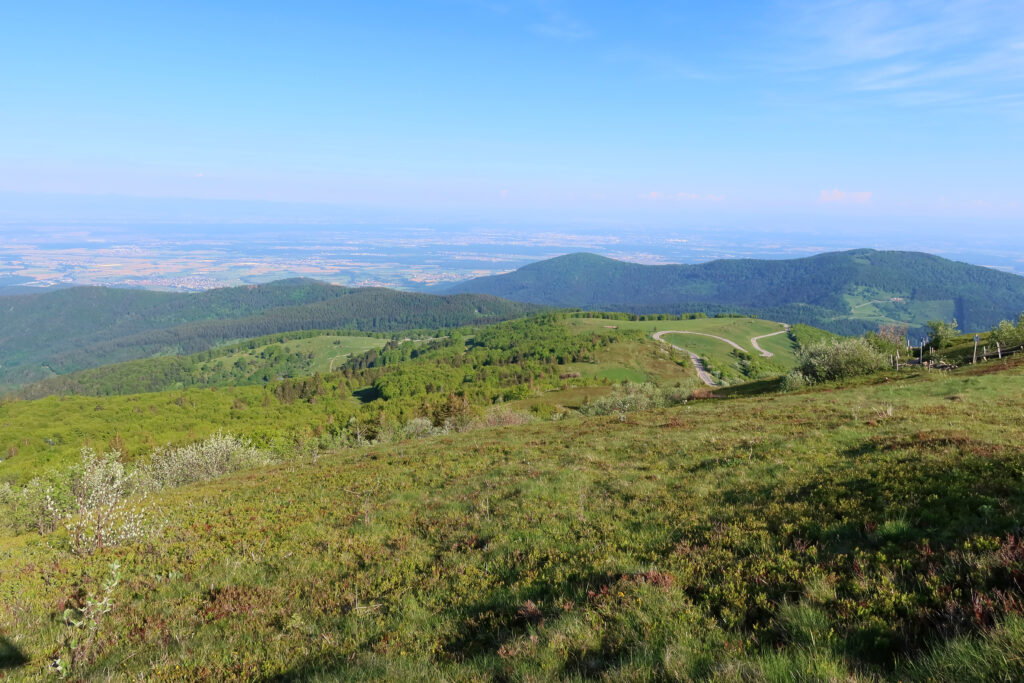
column 767, row 354
column 698, row 364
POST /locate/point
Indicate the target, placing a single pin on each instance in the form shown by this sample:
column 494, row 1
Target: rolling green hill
column 58, row 332
column 845, row 292
column 252, row 361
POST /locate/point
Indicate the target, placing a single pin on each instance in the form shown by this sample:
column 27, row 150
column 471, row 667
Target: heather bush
column 503, row 416
column 218, row 455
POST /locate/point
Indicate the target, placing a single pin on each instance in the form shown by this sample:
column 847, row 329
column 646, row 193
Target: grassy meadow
column 863, row 533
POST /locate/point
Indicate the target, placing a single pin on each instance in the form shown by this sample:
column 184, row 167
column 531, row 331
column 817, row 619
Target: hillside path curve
column 767, row 354
column 698, row 364
column 658, row 335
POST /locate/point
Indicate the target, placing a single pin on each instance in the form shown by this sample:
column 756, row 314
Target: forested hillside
column 253, row 361
column 845, row 292
column 73, row 329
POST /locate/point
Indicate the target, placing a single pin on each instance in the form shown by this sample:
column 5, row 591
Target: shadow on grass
column 10, row 656
column 756, row 388
column 486, row 629
column 910, row 507
column 489, row 624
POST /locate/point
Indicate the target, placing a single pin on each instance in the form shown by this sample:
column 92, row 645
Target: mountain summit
column 847, row 291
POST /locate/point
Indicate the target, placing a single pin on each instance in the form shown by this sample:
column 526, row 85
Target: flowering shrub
column 420, row 427
column 838, row 359
column 630, row 397
column 102, row 515
column 216, row 456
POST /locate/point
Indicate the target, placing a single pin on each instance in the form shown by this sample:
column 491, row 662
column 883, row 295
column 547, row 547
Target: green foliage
column 805, row 335
column 254, row 361
column 942, row 334
column 390, row 386
column 83, row 327
column 1008, row 334
column 631, row 397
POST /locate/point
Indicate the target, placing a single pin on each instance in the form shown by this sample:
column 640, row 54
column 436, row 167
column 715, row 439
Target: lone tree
column 942, row 333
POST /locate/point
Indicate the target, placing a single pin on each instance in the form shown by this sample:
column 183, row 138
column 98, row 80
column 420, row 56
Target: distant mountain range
column 58, row 332
column 846, row 292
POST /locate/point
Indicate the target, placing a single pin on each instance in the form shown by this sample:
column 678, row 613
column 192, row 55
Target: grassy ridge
column 833, row 534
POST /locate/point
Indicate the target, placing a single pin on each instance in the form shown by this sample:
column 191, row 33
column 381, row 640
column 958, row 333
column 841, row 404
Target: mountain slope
column 82, row 327
column 842, row 291
column 767, row 538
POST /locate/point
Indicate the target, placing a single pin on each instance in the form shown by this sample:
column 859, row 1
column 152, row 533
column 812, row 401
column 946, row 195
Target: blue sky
column 824, row 113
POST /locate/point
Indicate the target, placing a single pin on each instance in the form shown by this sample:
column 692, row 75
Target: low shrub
column 839, row 359
column 630, row 397
column 218, row 455
column 503, row 416
column 794, row 380
column 102, row 514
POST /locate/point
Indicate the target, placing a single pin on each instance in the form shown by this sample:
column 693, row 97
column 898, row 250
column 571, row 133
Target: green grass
column 623, row 375
column 837, row 533
column 722, row 359
column 49, row 433
column 740, row 330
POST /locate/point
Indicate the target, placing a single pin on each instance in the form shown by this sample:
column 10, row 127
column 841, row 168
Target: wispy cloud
column 558, row 25
column 844, row 197
column 914, row 51
column 661, row 65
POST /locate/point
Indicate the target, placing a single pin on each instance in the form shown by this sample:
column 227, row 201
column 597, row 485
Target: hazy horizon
column 844, row 117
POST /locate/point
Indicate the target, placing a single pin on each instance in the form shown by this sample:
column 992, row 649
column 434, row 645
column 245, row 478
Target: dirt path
column 698, row 364
column 658, row 335
column 766, row 354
